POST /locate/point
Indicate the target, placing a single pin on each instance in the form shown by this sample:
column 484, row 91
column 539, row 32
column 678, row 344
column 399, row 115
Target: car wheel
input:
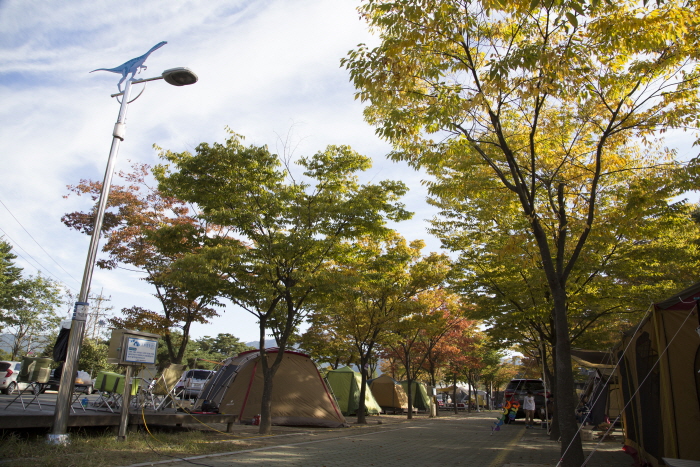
column 11, row 388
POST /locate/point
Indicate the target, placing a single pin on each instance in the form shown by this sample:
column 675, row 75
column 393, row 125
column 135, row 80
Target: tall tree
column 132, row 228
column 373, row 288
column 284, row 228
column 647, row 253
column 33, row 314
column 207, row 351
column 497, row 372
column 433, row 314
column 323, row 343
column 10, row 274
column 533, row 103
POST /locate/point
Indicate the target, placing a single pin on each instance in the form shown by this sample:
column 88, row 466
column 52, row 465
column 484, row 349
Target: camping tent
column 602, row 390
column 480, row 398
column 346, row 384
column 299, row 394
column 388, row 393
column 462, row 393
column 419, row 394
column 660, row 381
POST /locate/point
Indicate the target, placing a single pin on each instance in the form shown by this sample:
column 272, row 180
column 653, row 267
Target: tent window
column 649, row 395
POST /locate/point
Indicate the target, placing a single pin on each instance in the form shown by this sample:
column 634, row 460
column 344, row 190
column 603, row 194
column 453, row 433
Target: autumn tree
column 646, row 254
column 323, row 343
column 474, row 372
column 498, row 372
column 440, row 341
column 536, row 104
column 433, row 314
column 461, row 354
column 134, row 231
column 283, row 227
column 373, row 287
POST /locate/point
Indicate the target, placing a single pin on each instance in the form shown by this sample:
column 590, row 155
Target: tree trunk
column 554, row 432
column 266, row 406
column 410, row 400
column 469, row 396
column 268, row 377
column 571, row 448
column 361, row 416
column 431, row 369
column 409, row 391
column 454, row 395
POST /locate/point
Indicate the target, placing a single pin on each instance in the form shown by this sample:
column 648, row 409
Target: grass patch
column 100, row 448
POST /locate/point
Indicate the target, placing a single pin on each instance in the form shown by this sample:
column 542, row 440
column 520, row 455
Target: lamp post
column 176, row 77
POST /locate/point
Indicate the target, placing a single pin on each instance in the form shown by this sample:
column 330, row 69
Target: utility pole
column 95, row 321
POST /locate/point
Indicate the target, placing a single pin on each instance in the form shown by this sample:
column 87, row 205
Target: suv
column 518, row 388
column 8, row 377
column 192, row 382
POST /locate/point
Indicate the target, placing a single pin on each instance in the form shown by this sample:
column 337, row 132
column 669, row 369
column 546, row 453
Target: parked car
column 82, row 382
column 8, row 377
column 518, row 388
column 192, row 382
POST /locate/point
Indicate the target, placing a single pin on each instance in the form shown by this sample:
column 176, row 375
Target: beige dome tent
column 299, row 394
column 388, row 393
column 659, row 376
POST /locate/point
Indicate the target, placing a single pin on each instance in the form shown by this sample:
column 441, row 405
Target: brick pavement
column 444, row 441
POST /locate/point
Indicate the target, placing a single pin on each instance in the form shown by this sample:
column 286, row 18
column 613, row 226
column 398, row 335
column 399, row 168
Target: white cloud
column 266, row 68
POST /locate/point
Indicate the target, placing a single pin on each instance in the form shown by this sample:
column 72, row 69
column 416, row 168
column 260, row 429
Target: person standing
column 529, row 408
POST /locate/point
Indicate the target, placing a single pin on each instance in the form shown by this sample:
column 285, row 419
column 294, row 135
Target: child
column 529, row 408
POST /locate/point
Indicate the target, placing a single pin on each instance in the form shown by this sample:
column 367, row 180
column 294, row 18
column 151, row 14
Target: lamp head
column 180, row 76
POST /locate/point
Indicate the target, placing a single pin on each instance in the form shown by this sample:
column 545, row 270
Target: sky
column 269, row 70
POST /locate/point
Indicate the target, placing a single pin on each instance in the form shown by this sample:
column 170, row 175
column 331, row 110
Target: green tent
column 419, row 394
column 345, row 384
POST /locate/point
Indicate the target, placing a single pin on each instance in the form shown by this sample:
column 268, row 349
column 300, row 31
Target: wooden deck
column 15, row 417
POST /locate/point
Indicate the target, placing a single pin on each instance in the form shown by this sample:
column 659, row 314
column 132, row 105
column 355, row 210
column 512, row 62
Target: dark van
column 518, row 388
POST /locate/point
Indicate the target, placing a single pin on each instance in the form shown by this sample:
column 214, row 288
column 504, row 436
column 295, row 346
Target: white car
column 192, row 382
column 8, row 377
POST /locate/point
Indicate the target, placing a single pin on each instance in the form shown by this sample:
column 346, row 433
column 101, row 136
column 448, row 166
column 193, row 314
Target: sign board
column 140, row 350
column 129, row 347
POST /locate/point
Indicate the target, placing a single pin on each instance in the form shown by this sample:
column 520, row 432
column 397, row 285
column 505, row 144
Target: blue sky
column 267, row 69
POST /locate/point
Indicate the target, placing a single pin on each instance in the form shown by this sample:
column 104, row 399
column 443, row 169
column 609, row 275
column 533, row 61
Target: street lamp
column 176, row 77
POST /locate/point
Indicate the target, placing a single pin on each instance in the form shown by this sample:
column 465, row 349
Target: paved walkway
column 448, row 440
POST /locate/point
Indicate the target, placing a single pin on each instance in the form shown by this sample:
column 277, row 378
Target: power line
column 39, row 269
column 42, row 248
